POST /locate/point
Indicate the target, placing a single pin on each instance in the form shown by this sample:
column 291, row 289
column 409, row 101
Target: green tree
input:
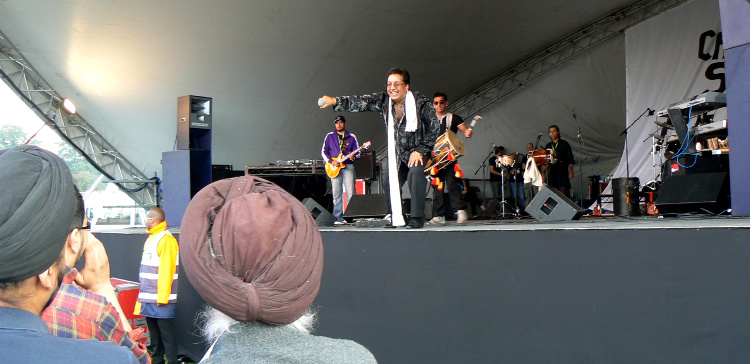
column 84, row 174
column 13, row 136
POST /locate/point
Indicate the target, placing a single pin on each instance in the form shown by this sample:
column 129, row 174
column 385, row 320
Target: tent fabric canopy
column 265, row 63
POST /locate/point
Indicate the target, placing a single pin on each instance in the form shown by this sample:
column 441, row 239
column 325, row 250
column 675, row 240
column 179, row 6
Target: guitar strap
column 344, row 144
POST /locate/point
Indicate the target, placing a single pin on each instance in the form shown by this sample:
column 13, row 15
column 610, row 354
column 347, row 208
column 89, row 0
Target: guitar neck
column 363, row 146
column 354, row 152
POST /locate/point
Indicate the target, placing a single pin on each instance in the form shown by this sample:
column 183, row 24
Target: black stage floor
column 611, row 289
column 607, row 221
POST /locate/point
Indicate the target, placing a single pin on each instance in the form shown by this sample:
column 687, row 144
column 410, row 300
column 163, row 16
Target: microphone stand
column 484, row 177
column 580, row 165
column 536, row 145
column 627, row 158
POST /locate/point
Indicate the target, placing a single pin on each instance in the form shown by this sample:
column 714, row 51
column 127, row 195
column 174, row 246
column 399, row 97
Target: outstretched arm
column 369, row 102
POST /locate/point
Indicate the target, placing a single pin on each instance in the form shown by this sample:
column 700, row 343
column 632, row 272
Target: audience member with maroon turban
column 255, row 254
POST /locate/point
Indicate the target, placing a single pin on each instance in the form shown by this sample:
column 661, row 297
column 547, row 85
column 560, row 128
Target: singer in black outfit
column 559, row 174
column 415, row 128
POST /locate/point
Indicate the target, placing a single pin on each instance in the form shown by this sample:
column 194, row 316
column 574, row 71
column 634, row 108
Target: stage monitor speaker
column 322, row 216
column 551, row 205
column 364, row 167
column 366, row 206
column 693, row 192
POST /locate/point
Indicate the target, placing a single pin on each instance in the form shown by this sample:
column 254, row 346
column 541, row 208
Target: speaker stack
column 188, row 169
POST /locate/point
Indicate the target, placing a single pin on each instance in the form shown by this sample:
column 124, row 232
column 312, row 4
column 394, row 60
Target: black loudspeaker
column 194, row 122
column 364, row 167
column 551, row 205
column 693, row 192
column 366, row 206
column 185, row 172
column 322, row 216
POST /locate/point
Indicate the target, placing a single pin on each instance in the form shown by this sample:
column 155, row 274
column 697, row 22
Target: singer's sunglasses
column 438, row 102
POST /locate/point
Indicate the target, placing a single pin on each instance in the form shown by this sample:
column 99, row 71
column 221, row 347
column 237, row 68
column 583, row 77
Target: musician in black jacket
column 559, row 174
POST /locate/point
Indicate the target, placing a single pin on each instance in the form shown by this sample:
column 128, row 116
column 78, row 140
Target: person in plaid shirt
column 86, row 305
column 36, row 220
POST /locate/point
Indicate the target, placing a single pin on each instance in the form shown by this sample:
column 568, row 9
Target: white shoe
column 437, row 220
column 340, row 222
column 462, row 216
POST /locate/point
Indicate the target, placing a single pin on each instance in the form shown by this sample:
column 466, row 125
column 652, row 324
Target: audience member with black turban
column 36, row 200
column 252, row 250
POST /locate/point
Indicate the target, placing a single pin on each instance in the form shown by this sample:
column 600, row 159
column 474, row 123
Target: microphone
column 321, row 102
column 493, row 145
column 650, row 112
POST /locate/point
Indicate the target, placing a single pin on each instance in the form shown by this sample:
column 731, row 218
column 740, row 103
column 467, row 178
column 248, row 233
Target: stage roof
column 265, row 63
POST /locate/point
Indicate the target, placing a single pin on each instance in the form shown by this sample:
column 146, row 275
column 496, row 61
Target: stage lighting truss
column 556, row 54
column 46, row 103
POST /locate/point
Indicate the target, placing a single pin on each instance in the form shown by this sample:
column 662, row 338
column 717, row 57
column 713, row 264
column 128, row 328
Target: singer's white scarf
column 410, row 109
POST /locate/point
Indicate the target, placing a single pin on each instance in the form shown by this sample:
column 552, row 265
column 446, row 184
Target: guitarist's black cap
column 339, row 118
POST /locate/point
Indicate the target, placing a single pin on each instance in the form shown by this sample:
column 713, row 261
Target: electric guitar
column 332, row 171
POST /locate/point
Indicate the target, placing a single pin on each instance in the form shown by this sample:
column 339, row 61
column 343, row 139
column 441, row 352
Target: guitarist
column 336, row 145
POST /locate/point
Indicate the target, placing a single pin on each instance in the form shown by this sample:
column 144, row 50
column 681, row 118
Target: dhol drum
column 543, row 156
column 448, row 148
column 508, row 160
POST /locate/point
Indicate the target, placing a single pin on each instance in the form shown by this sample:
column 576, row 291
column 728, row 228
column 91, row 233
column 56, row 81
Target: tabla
column 448, row 144
column 543, row 156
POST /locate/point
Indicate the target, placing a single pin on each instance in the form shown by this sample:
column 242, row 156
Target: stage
column 599, row 289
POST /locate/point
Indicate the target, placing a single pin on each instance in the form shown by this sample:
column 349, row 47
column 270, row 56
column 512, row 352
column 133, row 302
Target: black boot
column 415, row 223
